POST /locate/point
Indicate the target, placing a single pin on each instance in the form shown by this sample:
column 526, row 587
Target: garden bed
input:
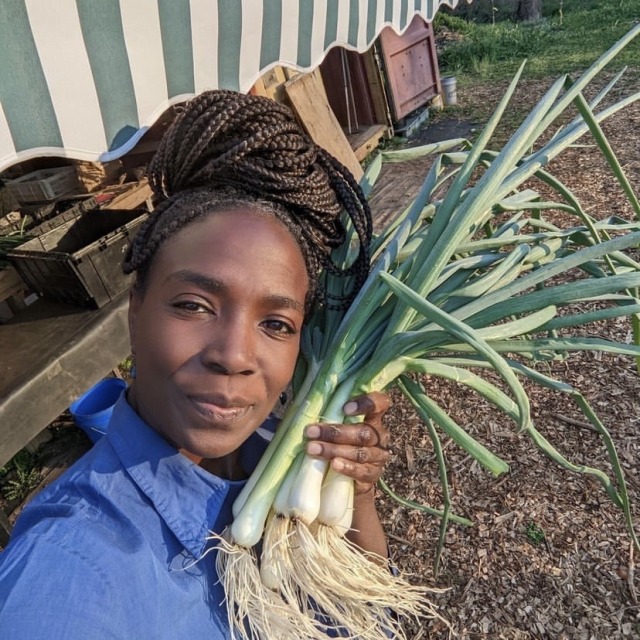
column 548, row 555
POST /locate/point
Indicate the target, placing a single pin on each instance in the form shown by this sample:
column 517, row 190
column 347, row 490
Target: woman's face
column 216, row 332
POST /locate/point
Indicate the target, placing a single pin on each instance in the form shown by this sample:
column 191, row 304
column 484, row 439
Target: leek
column 456, row 285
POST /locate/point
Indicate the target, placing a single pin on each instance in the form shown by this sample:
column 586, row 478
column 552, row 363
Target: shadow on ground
column 399, row 183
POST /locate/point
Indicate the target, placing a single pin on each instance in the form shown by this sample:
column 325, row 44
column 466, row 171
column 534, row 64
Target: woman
column 226, row 270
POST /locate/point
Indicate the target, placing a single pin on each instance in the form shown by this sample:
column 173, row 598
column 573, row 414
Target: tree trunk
column 529, row 10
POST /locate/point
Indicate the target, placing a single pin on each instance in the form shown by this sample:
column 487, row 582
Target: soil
column 444, row 129
column 548, row 555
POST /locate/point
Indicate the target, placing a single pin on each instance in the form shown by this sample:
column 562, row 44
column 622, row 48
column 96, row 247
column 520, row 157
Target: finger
column 355, row 435
column 371, row 405
column 364, row 475
column 354, row 454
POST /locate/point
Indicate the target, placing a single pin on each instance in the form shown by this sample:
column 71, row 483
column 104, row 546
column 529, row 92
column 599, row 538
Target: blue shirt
column 116, row 547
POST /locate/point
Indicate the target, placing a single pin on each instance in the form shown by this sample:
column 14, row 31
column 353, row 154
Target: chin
column 212, row 447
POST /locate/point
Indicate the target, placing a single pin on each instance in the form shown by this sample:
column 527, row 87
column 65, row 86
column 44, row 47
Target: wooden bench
column 51, row 353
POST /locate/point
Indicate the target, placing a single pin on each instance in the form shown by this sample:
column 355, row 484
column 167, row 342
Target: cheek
column 282, row 367
column 165, row 346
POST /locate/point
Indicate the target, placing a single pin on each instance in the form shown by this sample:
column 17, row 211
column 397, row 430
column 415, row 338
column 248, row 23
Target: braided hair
column 226, row 150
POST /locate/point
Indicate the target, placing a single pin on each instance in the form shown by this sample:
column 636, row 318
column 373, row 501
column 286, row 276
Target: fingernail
column 314, row 448
column 351, row 408
column 313, row 431
column 338, row 465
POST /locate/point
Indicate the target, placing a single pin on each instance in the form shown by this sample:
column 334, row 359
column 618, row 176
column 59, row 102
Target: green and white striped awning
column 85, row 79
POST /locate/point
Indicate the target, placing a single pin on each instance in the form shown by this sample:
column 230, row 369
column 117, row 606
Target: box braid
column 229, row 150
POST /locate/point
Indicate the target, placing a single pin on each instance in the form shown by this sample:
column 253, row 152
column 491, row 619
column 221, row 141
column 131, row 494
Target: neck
column 228, row 467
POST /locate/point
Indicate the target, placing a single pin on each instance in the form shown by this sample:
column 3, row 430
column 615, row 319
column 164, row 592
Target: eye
column 279, row 327
column 191, row 306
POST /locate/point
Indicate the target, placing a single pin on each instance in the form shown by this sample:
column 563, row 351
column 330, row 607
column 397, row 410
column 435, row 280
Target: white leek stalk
column 304, row 494
column 336, row 500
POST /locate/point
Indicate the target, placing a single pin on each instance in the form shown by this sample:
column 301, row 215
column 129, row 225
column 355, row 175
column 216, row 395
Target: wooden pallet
column 129, row 196
column 308, row 98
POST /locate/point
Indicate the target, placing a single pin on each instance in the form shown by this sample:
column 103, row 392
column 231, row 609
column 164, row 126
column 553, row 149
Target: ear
column 135, row 301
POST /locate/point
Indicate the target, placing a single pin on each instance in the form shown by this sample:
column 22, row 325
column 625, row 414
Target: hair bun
column 224, row 139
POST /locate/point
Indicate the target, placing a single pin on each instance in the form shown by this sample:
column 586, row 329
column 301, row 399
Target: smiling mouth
column 219, row 411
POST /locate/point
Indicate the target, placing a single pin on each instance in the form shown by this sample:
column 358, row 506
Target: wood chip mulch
column 549, row 555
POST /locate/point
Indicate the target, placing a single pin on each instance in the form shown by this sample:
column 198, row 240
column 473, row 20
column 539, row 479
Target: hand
column 360, row 450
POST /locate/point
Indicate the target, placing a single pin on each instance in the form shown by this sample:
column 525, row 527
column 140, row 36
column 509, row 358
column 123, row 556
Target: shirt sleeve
column 48, row 590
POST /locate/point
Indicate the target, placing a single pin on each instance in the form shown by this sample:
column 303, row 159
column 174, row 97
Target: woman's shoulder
column 83, row 496
column 42, row 581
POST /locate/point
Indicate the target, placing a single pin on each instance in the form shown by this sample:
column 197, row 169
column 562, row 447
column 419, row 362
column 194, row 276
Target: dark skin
column 359, row 451
column 216, row 334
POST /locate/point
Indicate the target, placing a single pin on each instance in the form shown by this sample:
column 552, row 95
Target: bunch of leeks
column 459, row 284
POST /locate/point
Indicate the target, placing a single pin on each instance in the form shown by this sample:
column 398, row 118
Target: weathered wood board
column 309, row 101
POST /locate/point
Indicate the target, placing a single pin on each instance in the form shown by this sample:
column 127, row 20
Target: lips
column 220, row 408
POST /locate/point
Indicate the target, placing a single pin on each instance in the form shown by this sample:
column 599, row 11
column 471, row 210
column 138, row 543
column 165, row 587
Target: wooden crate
column 134, row 195
column 12, row 289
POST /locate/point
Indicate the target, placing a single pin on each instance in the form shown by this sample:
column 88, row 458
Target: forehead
column 236, row 244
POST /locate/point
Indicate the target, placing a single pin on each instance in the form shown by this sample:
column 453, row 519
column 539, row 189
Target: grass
column 20, row 476
column 24, row 472
column 535, row 533
column 484, row 54
column 559, row 43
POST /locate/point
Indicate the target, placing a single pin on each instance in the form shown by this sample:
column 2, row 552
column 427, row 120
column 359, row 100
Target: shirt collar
column 191, row 501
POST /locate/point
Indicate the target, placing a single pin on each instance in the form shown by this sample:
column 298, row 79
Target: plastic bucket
column 449, row 90
column 93, row 409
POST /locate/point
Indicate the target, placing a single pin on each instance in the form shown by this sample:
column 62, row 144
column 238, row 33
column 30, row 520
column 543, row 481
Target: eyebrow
column 213, row 285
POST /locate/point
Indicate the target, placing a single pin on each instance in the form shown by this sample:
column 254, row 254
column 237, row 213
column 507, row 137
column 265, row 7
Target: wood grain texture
column 308, row 98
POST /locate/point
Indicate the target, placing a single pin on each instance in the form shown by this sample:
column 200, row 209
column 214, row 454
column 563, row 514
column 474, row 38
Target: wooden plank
column 411, row 66
column 10, row 283
column 271, row 84
column 133, row 198
column 377, row 88
column 365, row 141
column 348, row 91
column 12, row 290
column 51, row 354
column 308, row 98
column 401, row 177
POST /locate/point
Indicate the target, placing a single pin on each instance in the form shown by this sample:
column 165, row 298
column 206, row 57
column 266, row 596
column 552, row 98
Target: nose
column 230, row 347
